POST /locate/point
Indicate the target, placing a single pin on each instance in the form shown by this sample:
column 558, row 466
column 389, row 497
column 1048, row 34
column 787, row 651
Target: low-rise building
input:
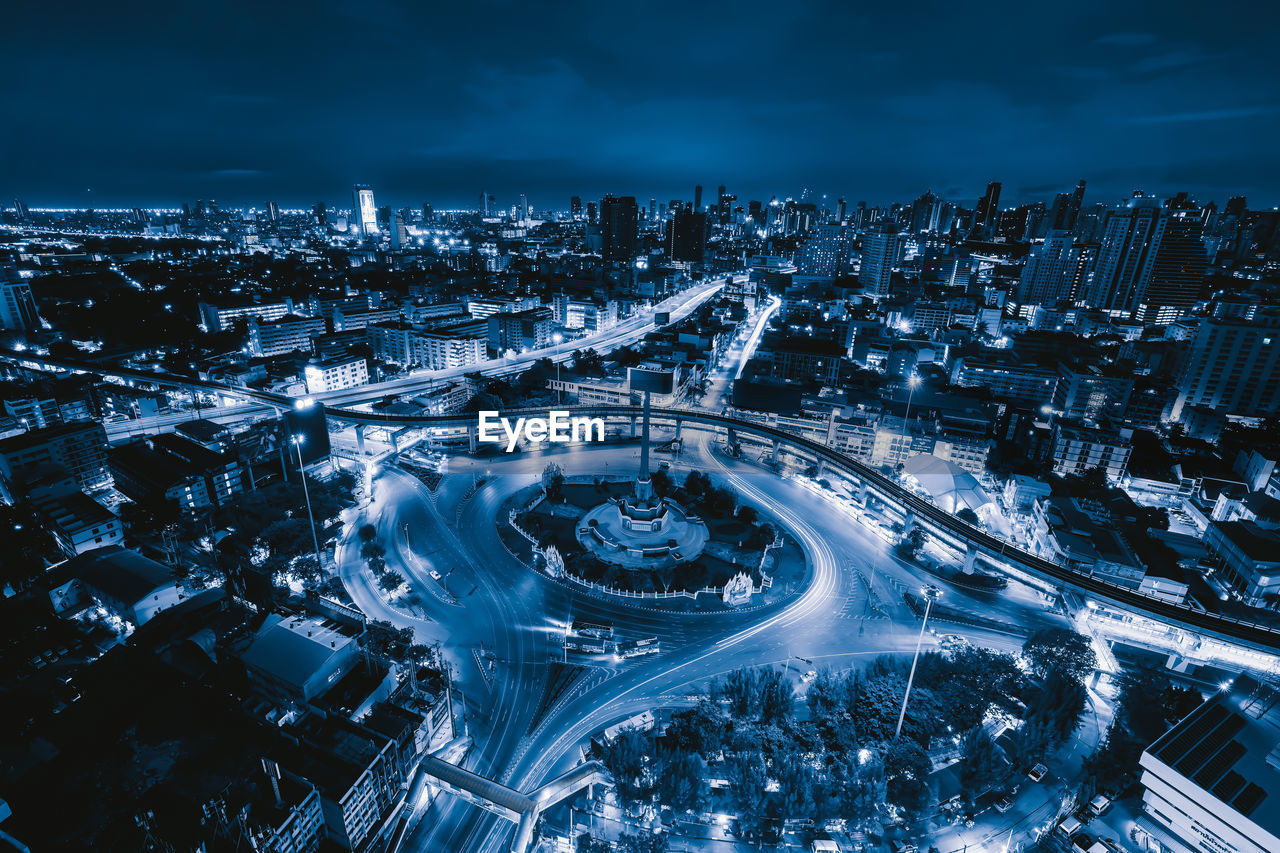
column 77, row 522
column 1079, row 534
column 78, row 447
column 1210, row 782
column 298, row 658
column 1076, row 450
column 337, row 373
column 170, row 467
column 1248, row 555
column 129, row 586
column 287, row 334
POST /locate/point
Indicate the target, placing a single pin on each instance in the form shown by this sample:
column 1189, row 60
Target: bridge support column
column 861, row 493
column 633, row 427
column 360, row 438
column 773, row 457
column 908, row 523
column 679, row 423
column 471, row 439
column 970, row 555
column 822, row 468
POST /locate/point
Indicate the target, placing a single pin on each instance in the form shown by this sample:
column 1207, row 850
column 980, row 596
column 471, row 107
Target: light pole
column 912, row 383
column 931, row 594
column 557, row 339
column 302, row 472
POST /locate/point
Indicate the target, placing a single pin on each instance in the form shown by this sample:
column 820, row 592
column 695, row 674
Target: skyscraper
column 1233, row 366
column 320, row 213
column 697, row 197
column 364, row 211
column 653, row 210
column 575, row 206
column 826, row 253
column 484, row 203
column 1051, row 271
column 984, row 217
column 618, row 223
column 687, row 236
column 1178, row 272
column 879, row 254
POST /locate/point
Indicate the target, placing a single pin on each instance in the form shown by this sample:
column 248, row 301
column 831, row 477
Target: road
column 518, row 614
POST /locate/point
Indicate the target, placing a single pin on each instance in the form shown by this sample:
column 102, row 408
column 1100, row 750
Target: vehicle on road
column 1004, row 804
column 436, row 576
column 1099, row 804
column 1035, row 774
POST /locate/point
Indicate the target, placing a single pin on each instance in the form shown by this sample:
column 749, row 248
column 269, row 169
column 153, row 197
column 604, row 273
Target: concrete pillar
column 471, row 438
column 633, row 427
column 679, row 423
column 822, row 468
column 908, row 523
column 773, row 457
column 861, row 492
column 970, row 556
column 360, row 438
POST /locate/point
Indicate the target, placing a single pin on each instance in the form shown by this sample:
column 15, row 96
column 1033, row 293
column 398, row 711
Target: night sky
column 108, row 104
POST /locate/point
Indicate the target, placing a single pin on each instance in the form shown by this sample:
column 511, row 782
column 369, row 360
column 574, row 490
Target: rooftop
column 294, row 648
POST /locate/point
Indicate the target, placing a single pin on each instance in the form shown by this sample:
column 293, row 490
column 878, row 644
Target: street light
column 297, row 440
column 931, row 594
column 557, row 339
column 912, row 383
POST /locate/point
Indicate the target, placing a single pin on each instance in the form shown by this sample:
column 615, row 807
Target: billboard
column 648, row 379
column 310, row 424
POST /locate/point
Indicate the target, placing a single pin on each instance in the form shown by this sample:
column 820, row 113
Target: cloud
column 1128, row 39
column 1205, row 115
column 235, row 173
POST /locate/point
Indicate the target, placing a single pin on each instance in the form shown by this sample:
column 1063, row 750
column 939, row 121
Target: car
column 809, row 676
column 1004, row 804
column 1035, row 774
column 1099, row 804
column 435, row 576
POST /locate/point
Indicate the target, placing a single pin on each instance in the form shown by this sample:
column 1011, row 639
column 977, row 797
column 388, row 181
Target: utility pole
column 302, row 472
column 913, row 382
column 931, row 594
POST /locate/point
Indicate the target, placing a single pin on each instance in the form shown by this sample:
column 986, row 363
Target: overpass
column 974, row 542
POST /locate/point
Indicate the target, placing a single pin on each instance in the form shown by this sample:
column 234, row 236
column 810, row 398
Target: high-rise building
column 320, row 213
column 697, row 197
column 879, row 255
column 399, row 233
column 1233, row 366
column 1178, row 272
column 273, row 212
column 1130, row 239
column 618, row 227
column 484, row 203
column 364, row 211
column 1052, row 271
column 593, row 212
column 428, row 212
column 826, row 253
column 687, row 236
column 988, row 208
column 653, row 210
column 575, row 206
column 1066, row 209
column 17, row 306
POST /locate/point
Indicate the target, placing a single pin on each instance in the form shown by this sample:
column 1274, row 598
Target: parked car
column 1004, row 804
column 1035, row 774
column 1099, row 804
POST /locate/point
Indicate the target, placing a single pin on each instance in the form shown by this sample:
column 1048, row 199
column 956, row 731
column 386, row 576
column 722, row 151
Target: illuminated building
column 364, row 211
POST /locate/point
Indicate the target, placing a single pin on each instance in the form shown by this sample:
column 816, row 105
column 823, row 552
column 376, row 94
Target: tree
column 907, row 769
column 980, row 762
column 796, row 781
column 699, row 729
column 661, row 482
column 774, row 696
column 1060, row 648
column 390, row 580
column 696, row 483
column 968, row 515
column 680, row 784
column 626, row 758
column 382, row 639
column 747, row 514
column 553, row 482
column 909, row 545
column 25, row 547
column 367, row 533
column 749, row 779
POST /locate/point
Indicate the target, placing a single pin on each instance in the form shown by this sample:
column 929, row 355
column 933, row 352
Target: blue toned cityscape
column 573, row 428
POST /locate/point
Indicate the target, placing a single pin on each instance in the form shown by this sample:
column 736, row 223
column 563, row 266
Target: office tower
column 662, row 212
column 428, row 212
column 1131, row 236
column 1051, row 270
column 618, row 223
column 575, row 206
column 524, row 207
column 923, row 215
column 755, row 212
column 1178, row 271
column 399, row 233
column 687, row 236
column 653, row 210
column 484, row 203
column 697, row 197
column 273, row 212
column 17, row 306
column 364, row 211
column 988, row 207
column 592, row 212
column 826, row 252
column 20, row 209
column 320, row 213
column 1236, row 206
column 1066, row 209
column 841, row 209
column 879, row 254
column 799, row 217
column 722, row 205
column 1233, row 366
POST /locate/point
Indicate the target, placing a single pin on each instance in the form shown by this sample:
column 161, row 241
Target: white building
column 335, row 374
column 1212, row 780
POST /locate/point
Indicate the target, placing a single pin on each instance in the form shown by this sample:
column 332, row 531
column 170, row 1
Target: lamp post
column 912, row 383
column 931, row 594
column 557, row 339
column 302, row 472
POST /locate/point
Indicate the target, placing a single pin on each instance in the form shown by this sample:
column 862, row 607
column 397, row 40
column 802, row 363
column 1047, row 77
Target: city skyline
column 440, row 104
